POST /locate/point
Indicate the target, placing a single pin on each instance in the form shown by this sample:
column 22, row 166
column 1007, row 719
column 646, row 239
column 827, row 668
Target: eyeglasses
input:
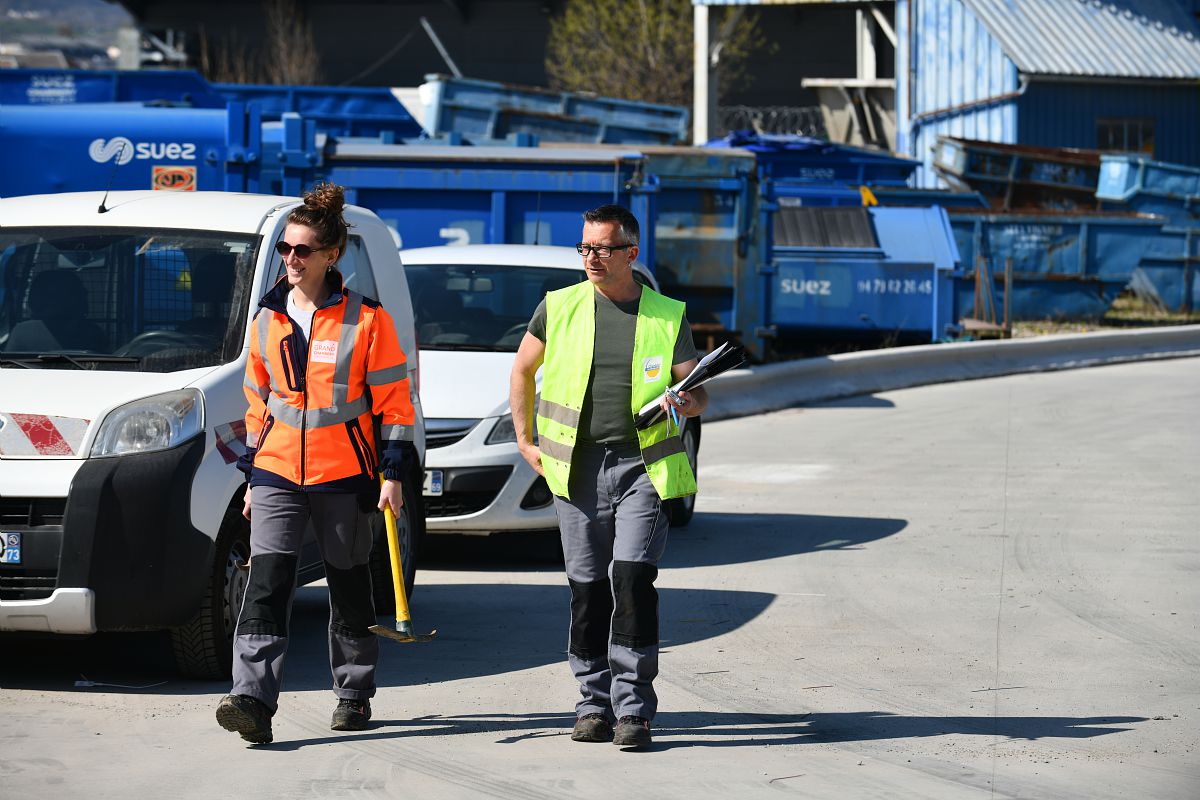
column 601, row 250
column 302, row 251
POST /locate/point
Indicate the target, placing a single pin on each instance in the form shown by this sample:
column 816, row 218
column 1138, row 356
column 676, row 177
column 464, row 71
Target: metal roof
column 1096, row 38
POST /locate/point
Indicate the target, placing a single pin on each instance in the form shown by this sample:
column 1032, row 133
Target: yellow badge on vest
column 652, row 369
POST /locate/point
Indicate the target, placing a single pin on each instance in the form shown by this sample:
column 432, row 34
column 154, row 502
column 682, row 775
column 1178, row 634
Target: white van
column 123, row 346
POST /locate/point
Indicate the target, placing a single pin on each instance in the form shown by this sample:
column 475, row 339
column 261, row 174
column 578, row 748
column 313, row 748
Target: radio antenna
column 111, row 175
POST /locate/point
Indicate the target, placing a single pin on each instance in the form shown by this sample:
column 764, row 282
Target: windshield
column 122, row 298
column 477, row 307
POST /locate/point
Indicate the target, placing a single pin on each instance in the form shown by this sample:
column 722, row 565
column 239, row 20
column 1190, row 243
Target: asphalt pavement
column 976, row 589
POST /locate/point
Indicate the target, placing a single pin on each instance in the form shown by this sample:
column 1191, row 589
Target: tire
column 410, row 529
column 680, row 510
column 203, row 647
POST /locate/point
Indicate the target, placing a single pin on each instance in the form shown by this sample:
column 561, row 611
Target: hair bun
column 327, row 198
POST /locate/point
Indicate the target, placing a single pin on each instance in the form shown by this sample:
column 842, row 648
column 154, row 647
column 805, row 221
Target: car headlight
column 503, row 432
column 149, row 424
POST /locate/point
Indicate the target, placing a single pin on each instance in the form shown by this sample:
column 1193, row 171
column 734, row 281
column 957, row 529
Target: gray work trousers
column 278, row 519
column 613, row 532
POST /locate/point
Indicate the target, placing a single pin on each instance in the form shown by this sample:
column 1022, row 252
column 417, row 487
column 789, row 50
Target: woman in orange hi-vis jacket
column 324, row 362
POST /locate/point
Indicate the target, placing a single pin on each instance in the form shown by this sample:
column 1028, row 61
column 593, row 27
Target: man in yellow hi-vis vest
column 609, row 346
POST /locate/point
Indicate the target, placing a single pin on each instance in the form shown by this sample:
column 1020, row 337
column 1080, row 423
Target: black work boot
column 351, row 715
column 246, row 715
column 632, row 732
column 592, row 727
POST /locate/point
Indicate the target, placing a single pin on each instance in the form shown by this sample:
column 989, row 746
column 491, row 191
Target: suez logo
column 803, row 286
column 124, row 151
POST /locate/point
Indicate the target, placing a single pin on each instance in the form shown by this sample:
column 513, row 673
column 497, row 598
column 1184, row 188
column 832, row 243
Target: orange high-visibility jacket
column 309, row 424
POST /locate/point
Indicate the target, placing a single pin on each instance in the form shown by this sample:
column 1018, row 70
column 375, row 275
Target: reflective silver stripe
column 397, row 433
column 317, row 417
column 381, row 377
column 558, row 413
column 345, row 356
column 667, row 447
column 262, row 391
column 556, row 450
column 252, row 440
column 264, row 333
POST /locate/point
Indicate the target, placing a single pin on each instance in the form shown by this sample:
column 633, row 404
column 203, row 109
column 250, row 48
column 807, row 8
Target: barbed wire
column 805, row 120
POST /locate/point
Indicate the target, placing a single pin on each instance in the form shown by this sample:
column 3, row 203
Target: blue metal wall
column 952, row 78
column 1054, row 114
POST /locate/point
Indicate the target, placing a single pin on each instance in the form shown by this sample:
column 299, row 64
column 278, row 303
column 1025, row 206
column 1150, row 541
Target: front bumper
column 485, row 488
column 64, row 611
column 121, row 555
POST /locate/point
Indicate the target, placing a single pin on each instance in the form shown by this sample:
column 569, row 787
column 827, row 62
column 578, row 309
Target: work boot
column 592, row 728
column 351, row 715
column 246, row 715
column 632, row 732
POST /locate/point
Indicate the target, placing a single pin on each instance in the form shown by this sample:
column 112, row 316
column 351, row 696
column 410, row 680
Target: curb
column 814, row 380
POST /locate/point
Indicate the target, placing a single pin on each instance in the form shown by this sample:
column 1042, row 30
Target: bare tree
column 289, row 57
column 637, row 49
column 291, row 46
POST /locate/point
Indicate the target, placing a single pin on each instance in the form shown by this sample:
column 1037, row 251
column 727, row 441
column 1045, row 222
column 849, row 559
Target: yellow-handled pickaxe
column 404, row 626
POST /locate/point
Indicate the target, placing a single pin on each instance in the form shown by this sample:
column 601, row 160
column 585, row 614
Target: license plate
column 10, row 549
column 433, row 483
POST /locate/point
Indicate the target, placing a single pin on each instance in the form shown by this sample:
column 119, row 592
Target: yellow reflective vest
column 570, row 339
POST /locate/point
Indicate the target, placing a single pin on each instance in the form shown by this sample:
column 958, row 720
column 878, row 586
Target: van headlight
column 149, row 424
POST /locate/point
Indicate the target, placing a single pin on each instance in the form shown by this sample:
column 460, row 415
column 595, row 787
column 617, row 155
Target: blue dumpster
column 1170, row 276
column 883, row 272
column 1063, row 265
column 486, row 110
column 805, row 160
column 337, row 110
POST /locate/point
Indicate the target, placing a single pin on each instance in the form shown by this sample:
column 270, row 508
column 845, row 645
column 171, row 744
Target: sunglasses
column 301, row 250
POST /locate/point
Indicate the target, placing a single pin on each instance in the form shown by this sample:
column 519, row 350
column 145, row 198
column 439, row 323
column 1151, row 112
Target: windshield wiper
column 481, row 348
column 78, row 360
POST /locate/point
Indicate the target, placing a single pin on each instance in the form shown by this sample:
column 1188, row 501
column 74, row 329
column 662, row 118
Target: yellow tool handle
column 389, row 521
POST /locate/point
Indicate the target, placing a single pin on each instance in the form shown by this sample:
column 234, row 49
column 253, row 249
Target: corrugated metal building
column 1105, row 74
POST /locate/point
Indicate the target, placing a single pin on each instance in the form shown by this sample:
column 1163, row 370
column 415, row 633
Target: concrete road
column 973, row 590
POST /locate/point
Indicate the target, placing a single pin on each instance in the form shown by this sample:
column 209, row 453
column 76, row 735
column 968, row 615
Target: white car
column 472, row 304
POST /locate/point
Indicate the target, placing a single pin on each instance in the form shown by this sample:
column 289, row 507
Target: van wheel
column 410, row 526
column 680, row 510
column 204, row 646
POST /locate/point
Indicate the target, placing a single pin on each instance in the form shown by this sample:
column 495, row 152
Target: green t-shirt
column 607, row 415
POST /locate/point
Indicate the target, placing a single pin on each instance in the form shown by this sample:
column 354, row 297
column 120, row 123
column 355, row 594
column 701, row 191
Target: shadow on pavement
column 695, row 729
column 714, row 539
column 484, row 629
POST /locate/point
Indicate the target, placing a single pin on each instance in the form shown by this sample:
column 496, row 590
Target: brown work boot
column 592, row 728
column 351, row 715
column 247, row 716
column 632, row 732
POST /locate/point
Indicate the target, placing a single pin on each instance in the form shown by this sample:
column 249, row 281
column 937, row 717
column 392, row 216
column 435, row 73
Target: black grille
column 467, row 490
column 455, row 504
column 27, row 584
column 445, row 432
column 29, row 512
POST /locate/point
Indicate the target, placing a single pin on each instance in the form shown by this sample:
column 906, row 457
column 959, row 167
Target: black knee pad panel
column 268, row 594
column 352, row 608
column 591, row 610
column 635, row 616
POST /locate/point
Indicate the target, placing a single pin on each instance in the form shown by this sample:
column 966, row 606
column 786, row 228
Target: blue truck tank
column 125, row 146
